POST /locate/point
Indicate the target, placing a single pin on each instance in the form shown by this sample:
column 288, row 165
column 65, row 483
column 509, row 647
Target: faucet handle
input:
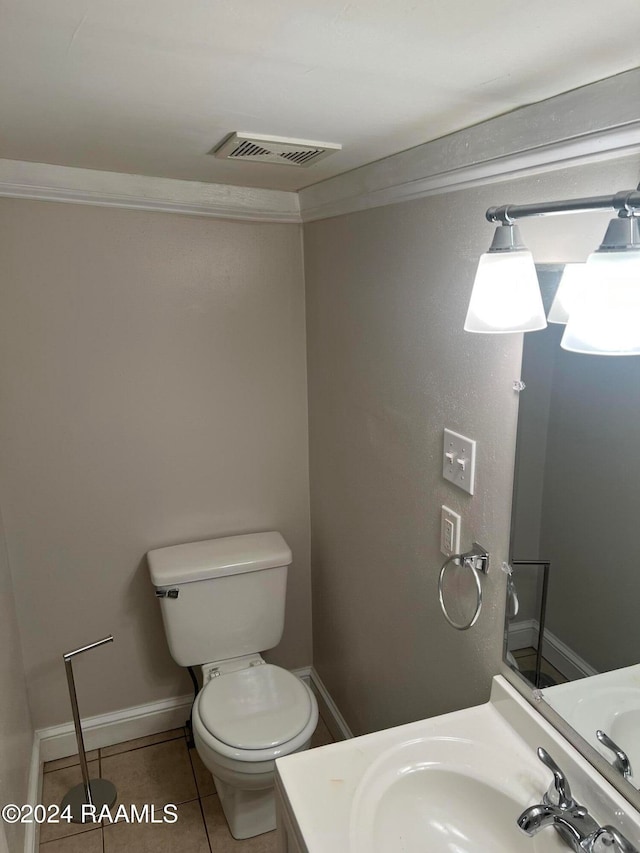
column 606, row 837
column 559, row 793
column 621, row 761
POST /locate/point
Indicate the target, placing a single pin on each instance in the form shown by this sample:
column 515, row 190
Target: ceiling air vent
column 250, row 147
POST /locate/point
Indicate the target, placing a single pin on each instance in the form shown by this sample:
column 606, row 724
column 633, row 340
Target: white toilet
column 222, row 603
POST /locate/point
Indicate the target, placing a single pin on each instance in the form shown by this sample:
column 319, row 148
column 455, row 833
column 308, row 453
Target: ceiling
column 150, row 86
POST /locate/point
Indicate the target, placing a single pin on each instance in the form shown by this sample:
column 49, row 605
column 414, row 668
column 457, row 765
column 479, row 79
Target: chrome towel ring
column 477, row 561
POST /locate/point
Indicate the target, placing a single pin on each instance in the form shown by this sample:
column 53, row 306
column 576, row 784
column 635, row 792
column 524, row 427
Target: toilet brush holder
column 91, row 793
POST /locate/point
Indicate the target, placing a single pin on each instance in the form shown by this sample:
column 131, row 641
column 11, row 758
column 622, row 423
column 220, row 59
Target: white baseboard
column 34, row 795
column 570, row 664
column 525, row 633
column 329, row 711
column 139, row 721
column 115, row 727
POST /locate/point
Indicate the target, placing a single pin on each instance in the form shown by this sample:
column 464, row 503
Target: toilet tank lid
column 213, row 558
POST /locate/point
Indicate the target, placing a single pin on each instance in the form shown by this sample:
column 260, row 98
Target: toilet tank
column 221, row 598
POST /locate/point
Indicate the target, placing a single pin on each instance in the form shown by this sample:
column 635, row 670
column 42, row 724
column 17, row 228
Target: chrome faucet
column 621, row 761
column 571, row 820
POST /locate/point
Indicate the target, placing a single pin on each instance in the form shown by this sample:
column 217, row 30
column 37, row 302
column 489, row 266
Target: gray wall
column 152, row 372
column 153, row 384
column 15, row 720
column 389, row 368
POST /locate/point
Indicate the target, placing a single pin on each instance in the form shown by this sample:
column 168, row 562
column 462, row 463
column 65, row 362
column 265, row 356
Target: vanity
column 451, row 784
column 552, row 761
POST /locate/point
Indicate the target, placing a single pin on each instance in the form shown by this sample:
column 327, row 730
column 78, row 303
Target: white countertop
column 320, row 787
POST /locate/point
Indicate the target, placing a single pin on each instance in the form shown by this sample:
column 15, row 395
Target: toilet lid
column 255, row 708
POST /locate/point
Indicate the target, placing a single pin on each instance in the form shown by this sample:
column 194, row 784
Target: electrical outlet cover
column 450, row 523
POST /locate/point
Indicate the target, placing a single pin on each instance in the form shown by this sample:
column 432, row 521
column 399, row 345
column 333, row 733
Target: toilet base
column 248, row 813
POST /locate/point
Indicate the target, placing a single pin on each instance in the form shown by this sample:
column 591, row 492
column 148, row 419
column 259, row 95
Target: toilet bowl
column 223, row 601
column 247, row 715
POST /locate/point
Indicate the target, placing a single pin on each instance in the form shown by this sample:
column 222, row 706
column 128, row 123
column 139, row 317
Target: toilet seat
column 259, row 707
column 244, row 778
column 256, row 712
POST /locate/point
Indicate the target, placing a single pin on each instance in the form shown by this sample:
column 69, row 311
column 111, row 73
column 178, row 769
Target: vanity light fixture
column 606, row 320
column 506, row 296
column 602, row 312
column 568, row 292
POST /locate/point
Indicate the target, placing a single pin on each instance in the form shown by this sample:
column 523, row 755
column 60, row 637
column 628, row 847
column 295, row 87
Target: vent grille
column 273, row 149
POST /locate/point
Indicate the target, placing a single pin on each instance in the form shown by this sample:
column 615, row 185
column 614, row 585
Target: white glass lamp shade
column 568, row 292
column 506, row 295
column 606, row 321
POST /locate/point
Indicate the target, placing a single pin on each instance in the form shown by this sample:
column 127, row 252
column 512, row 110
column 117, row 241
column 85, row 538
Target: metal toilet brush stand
column 92, row 792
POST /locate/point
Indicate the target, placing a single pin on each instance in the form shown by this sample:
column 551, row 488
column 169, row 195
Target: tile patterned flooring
column 526, row 659
column 158, row 769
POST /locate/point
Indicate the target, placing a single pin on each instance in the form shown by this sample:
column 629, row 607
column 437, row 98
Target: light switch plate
column 459, row 460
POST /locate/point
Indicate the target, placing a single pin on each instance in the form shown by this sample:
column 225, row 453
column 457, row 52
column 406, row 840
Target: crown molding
column 46, row 182
column 586, row 125
column 597, row 147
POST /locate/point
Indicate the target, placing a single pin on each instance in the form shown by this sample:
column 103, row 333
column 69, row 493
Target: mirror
column 572, row 626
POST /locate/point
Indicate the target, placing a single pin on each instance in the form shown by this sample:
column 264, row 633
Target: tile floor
column 527, row 662
column 158, row 769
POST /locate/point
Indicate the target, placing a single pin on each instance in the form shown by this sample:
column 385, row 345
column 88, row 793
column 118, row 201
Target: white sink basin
column 444, row 795
column 450, row 784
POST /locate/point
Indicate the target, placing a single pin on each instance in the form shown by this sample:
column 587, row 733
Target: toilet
column 222, row 603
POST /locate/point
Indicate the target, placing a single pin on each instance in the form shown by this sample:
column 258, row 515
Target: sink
column 445, row 795
column 450, row 784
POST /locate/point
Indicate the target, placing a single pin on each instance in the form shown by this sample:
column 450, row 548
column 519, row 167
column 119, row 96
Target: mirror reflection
column 575, row 511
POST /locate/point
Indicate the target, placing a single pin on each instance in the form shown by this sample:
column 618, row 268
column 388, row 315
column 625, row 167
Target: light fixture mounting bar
column 626, row 200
